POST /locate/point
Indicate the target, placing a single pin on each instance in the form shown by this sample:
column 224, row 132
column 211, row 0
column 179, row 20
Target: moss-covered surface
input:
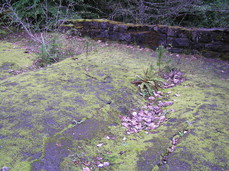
column 75, row 21
column 36, row 106
column 201, row 109
column 13, row 57
column 61, row 116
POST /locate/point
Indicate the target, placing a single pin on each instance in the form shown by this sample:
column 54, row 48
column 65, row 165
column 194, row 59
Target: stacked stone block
column 213, row 42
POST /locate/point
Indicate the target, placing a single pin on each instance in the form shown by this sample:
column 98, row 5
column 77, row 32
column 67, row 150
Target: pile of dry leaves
column 173, row 78
column 152, row 115
column 148, row 118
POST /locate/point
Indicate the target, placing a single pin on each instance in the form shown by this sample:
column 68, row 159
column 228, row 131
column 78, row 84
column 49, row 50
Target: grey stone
column 172, row 32
column 104, row 25
column 163, row 29
column 122, row 28
column 86, row 24
column 114, row 36
column 170, row 41
column 198, row 46
column 115, row 28
column 139, row 38
column 4, row 168
column 95, row 25
column 178, row 42
column 92, row 33
column 103, row 34
column 175, row 50
column 155, row 28
column 204, row 36
column 125, row 37
column 181, row 42
column 201, row 39
column 184, row 34
column 216, row 46
column 162, row 40
column 211, row 54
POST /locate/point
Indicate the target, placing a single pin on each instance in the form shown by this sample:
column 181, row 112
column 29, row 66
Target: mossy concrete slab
column 13, row 57
column 43, row 108
column 68, row 113
column 201, row 109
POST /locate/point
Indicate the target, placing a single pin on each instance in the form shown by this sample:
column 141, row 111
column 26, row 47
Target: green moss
column 12, row 57
column 22, row 166
column 124, row 24
column 13, row 54
column 38, row 109
column 2, row 32
column 43, row 103
column 202, row 106
column 156, row 168
column 105, row 21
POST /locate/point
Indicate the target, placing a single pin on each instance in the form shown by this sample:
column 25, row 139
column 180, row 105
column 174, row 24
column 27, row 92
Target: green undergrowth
column 42, row 113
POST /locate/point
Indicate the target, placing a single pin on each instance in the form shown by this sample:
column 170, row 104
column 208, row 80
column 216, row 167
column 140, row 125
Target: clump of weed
column 149, row 82
column 152, row 79
column 162, row 75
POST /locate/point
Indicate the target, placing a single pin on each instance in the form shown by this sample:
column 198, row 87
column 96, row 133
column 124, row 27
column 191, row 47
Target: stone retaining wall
column 212, row 42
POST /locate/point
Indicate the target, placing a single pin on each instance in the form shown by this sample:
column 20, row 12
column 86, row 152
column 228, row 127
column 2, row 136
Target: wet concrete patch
column 6, row 84
column 54, row 154
column 6, row 66
column 152, row 156
column 175, row 164
column 86, row 130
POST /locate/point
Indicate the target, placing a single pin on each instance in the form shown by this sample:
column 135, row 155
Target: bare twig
column 18, row 20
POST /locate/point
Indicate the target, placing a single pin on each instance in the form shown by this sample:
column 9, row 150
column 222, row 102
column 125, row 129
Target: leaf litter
column 152, row 115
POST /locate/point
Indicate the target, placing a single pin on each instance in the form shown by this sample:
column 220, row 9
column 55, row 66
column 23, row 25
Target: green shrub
column 2, row 32
column 50, row 52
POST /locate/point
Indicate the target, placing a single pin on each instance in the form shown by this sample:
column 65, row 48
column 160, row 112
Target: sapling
column 161, row 55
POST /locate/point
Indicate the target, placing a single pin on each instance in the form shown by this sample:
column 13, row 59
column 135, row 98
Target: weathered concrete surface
column 39, row 113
